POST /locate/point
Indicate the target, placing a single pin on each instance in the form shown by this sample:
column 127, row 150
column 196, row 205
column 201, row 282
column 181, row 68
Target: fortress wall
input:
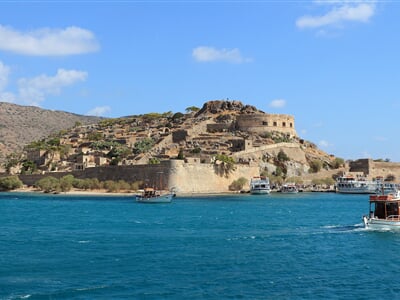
column 374, row 169
column 385, row 168
column 152, row 175
column 360, row 165
column 260, row 123
column 205, row 178
column 185, row 177
column 292, row 150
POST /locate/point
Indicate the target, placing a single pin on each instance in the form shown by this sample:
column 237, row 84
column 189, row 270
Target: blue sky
column 334, row 65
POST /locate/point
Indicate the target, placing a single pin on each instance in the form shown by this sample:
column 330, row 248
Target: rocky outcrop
column 220, row 106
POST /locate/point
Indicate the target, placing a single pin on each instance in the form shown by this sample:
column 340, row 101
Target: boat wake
column 346, row 228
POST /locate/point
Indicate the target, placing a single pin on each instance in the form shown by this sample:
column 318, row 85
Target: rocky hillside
column 204, row 135
column 20, row 125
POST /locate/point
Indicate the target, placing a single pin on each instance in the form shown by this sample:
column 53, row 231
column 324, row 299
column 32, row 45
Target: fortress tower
column 260, row 123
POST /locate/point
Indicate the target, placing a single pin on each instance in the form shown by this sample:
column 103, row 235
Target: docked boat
column 260, row 185
column 289, row 189
column 351, row 185
column 383, row 211
column 360, row 185
column 150, row 195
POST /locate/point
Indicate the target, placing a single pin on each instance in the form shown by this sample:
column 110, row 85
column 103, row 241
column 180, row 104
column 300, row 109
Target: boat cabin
column 149, row 192
column 384, row 207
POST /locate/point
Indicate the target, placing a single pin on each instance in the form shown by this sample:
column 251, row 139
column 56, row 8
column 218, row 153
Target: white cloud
column 324, row 144
column 99, row 111
column 278, row 103
column 4, row 72
column 380, row 138
column 48, row 42
column 346, row 12
column 209, row 54
column 34, row 90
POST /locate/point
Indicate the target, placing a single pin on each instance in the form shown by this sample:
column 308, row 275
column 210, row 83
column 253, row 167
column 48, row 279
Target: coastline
column 127, row 193
column 75, row 192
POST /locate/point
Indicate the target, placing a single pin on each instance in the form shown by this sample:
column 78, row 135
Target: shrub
column 136, row 185
column 66, row 183
column 144, row 145
column 48, row 184
column 278, row 172
column 10, row 183
column 180, row 154
column 111, row 186
column 177, row 116
column 123, row 185
column 196, row 150
column 282, row 156
column 153, row 161
column 315, row 166
column 238, row 184
column 338, row 162
column 28, row 167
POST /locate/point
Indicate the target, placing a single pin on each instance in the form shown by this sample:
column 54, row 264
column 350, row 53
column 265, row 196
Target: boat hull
column 374, row 223
column 260, row 191
column 356, row 190
column 158, row 199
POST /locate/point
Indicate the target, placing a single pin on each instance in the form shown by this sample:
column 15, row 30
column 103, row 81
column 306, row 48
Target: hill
column 20, row 125
column 224, row 131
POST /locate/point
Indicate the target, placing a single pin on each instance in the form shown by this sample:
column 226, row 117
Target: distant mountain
column 20, row 125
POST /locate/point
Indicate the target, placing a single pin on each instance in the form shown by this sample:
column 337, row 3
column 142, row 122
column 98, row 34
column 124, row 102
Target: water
column 304, row 246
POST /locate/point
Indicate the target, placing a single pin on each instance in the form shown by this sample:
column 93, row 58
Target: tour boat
column 350, row 185
column 289, row 189
column 383, row 211
column 150, row 195
column 260, row 185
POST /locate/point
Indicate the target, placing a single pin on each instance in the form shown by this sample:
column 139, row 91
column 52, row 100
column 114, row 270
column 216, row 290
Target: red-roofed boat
column 384, row 211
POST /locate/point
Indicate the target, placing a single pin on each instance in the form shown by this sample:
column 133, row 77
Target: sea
column 277, row 246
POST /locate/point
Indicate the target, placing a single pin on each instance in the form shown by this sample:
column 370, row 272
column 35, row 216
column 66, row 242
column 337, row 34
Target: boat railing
column 393, row 218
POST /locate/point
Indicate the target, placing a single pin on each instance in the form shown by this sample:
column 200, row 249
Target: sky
column 333, row 65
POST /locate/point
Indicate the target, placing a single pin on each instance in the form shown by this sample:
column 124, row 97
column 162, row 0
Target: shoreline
column 74, row 192
column 77, row 192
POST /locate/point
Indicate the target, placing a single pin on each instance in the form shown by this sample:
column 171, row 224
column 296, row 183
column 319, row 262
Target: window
column 265, row 123
column 283, row 124
column 275, row 124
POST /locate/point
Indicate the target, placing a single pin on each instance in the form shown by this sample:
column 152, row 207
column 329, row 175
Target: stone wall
column 206, row 178
column 361, row 165
column 191, row 177
column 292, row 150
column 152, row 175
column 384, row 169
column 374, row 169
column 261, row 123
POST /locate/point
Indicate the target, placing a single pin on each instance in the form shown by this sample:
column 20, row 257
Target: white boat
column 150, row 195
column 350, row 185
column 260, row 185
column 383, row 211
column 289, row 189
column 360, row 185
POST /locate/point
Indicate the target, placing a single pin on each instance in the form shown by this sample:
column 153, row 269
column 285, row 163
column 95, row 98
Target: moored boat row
column 349, row 184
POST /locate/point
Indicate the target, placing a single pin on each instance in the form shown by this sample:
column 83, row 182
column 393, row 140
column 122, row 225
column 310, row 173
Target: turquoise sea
column 304, row 246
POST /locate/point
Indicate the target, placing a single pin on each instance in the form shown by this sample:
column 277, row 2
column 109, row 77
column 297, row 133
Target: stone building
column 260, row 123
